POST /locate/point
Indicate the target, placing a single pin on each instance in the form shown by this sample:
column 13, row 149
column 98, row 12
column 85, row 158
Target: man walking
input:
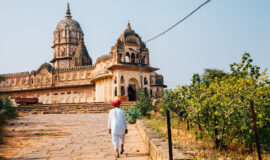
column 117, row 127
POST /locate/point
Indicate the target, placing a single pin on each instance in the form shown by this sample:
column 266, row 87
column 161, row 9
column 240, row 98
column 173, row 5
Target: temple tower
column 67, row 37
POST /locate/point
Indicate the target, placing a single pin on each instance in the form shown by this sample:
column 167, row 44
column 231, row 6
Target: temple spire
column 68, row 14
column 128, row 26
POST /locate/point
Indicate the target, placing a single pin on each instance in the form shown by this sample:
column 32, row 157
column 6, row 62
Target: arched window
column 38, row 81
column 122, row 91
column 122, row 79
column 145, row 80
column 151, row 93
column 55, row 78
column 68, row 77
column 145, row 90
column 120, row 58
column 144, row 59
column 75, row 76
column 127, row 57
column 152, row 80
column 115, row 91
column 132, row 58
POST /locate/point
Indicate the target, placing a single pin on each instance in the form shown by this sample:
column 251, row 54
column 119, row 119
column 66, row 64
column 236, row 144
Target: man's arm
column 109, row 123
column 125, row 123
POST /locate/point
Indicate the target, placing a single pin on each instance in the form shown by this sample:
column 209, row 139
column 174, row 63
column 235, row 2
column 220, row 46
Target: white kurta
column 117, row 121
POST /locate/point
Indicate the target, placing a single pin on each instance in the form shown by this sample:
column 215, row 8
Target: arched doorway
column 132, row 58
column 133, row 85
column 132, row 92
column 127, row 57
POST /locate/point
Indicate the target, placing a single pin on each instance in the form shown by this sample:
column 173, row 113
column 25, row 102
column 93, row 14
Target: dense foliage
column 2, row 78
column 218, row 104
column 7, row 111
column 132, row 113
column 145, row 103
column 142, row 108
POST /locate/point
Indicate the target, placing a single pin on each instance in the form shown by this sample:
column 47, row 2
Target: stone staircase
column 94, row 107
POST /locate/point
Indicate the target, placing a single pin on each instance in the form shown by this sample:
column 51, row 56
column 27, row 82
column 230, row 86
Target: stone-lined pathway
column 68, row 136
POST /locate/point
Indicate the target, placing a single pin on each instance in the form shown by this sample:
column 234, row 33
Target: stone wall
column 104, row 90
column 45, row 79
column 77, row 94
column 156, row 146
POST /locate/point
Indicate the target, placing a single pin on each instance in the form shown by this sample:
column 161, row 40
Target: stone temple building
column 71, row 77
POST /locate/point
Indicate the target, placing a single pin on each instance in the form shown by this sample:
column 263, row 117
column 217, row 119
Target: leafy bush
column 145, row 104
column 219, row 103
column 132, row 114
column 7, row 111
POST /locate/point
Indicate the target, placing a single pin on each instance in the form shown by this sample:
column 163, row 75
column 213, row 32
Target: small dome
column 47, row 66
column 130, row 36
column 33, row 72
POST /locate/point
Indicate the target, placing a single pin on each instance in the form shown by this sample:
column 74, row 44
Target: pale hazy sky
column 214, row 37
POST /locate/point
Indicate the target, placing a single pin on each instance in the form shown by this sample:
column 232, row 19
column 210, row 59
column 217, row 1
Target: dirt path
column 67, row 136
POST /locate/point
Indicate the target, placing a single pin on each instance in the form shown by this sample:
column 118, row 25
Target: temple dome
column 68, row 22
column 130, row 36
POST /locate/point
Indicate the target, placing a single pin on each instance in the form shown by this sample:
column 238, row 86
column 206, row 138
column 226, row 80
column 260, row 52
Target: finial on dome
column 128, row 26
column 68, row 14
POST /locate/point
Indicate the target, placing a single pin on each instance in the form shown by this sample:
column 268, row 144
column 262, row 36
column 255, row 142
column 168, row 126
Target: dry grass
column 195, row 148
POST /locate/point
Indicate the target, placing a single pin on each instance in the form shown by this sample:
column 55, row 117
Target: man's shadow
column 135, row 154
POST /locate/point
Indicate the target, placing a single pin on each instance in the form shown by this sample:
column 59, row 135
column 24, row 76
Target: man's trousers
column 115, row 140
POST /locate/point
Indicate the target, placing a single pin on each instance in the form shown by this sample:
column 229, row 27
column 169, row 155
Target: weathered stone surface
column 69, row 108
column 68, row 136
column 156, row 146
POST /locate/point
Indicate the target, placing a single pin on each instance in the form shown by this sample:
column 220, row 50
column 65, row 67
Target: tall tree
column 209, row 75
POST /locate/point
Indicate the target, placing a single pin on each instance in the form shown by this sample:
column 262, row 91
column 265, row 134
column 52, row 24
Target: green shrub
column 132, row 114
column 145, row 103
column 7, row 111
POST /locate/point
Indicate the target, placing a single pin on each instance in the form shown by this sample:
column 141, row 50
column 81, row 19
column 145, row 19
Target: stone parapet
column 37, row 88
column 15, row 74
column 74, row 68
column 156, row 146
column 69, row 108
column 72, row 108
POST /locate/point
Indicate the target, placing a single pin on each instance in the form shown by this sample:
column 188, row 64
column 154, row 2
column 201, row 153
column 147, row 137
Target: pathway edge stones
column 156, row 146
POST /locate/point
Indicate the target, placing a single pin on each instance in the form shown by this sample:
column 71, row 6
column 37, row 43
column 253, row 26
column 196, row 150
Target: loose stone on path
column 68, row 136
